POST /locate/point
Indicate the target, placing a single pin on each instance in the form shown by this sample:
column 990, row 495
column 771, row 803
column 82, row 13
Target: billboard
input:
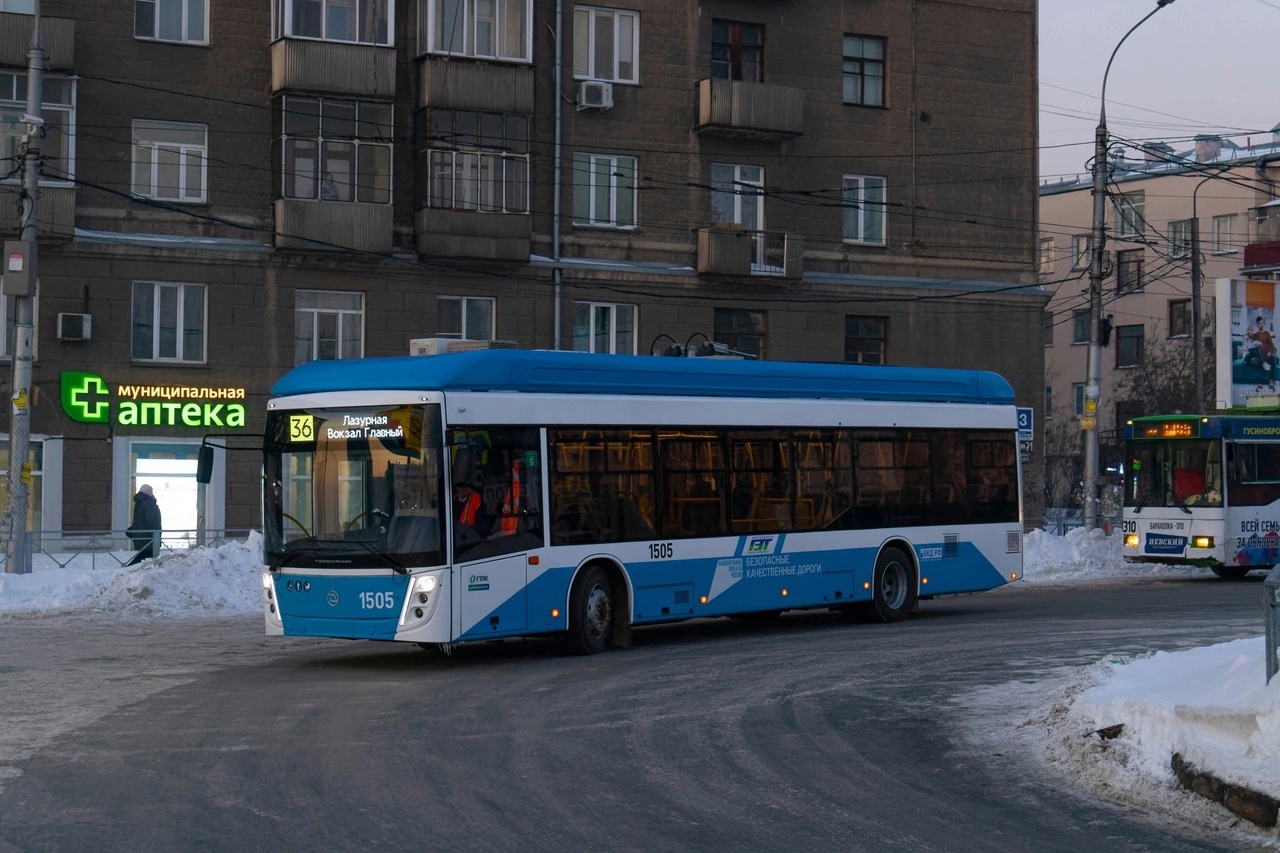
column 1248, row 365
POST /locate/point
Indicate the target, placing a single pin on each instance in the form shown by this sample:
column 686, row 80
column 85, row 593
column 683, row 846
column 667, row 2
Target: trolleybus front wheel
column 1234, row 573
column 893, row 587
column 590, row 612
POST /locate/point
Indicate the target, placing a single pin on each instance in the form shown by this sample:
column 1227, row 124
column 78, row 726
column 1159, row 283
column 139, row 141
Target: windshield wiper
column 396, row 565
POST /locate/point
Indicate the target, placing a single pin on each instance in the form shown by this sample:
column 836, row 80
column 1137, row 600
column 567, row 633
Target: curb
column 1253, row 806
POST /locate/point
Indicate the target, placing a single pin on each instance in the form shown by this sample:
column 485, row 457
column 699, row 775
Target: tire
column 1232, row 573
column 590, row 612
column 893, row 587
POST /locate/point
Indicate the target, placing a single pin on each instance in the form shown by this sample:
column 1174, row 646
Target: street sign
column 1026, row 433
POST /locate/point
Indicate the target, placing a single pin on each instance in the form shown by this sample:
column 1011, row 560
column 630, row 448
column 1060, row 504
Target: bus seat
column 413, row 533
column 1187, row 482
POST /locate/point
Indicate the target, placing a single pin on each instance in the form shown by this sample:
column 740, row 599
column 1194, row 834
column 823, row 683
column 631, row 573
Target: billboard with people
column 1248, row 362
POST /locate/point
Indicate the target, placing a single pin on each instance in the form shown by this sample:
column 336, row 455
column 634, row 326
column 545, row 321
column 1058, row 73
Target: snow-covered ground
column 1210, row 703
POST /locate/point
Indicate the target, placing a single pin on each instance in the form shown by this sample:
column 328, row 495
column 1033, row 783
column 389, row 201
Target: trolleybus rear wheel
column 590, row 612
column 1234, row 573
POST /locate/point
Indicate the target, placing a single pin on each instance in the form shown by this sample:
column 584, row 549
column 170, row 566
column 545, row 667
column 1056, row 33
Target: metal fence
column 1271, row 588
column 112, row 548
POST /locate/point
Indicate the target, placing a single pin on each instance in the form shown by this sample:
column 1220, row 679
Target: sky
column 1209, row 703
column 1196, row 67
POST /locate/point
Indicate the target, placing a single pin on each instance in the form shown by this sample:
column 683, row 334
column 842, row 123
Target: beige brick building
column 229, row 188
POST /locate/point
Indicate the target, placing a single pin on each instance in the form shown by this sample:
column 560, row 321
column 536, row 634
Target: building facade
column 1165, row 209
column 228, row 189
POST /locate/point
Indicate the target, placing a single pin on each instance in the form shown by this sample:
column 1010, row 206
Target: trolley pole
column 20, row 282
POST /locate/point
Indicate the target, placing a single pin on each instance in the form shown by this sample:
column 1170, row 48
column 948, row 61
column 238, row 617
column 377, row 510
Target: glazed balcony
column 736, row 108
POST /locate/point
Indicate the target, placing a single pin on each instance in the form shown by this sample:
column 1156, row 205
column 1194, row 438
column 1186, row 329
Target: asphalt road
column 807, row 734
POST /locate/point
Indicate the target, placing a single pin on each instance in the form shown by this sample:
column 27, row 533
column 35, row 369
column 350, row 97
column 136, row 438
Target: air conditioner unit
column 595, row 95
column 441, row 346
column 75, row 327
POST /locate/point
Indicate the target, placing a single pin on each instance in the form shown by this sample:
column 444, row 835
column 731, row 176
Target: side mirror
column 204, row 465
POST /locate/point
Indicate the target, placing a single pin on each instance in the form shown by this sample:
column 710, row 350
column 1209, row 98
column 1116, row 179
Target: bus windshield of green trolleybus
column 1174, row 473
column 354, row 487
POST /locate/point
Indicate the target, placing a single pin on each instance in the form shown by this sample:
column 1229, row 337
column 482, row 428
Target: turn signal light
column 1201, row 541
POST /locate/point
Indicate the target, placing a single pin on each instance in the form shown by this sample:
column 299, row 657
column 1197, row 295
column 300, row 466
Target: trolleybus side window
column 692, row 477
column 504, row 466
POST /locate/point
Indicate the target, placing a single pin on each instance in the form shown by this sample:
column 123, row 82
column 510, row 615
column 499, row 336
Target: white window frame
column 1076, row 337
column 192, row 24
column 153, row 140
column 308, row 158
column 1180, row 238
column 1131, row 218
column 182, row 293
column 860, row 215
column 472, row 25
column 587, row 50
column 309, row 315
column 1081, row 251
column 588, row 182
column 58, row 110
column 1224, row 226
column 379, row 15
column 467, row 305
column 593, row 326
column 1047, row 249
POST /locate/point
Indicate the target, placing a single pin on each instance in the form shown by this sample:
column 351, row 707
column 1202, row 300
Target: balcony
column 55, row 214
column 333, row 68
column 1263, row 250
column 333, row 226
column 1262, row 255
column 730, row 250
column 446, row 233
column 57, row 37
column 736, row 108
column 459, row 84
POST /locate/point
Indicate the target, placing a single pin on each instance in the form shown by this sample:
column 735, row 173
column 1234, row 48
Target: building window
column 864, row 207
column 57, row 144
column 336, row 151
column 866, row 339
column 360, row 21
column 1077, row 391
column 1046, row 254
column 18, row 7
column 1180, row 238
column 168, row 322
column 604, row 327
column 1081, row 249
column 169, row 160
column 604, row 190
column 487, row 29
column 1128, row 346
column 1081, row 326
column 171, row 20
column 1179, row 318
column 327, row 325
column 1048, row 328
column 1129, row 270
column 737, row 51
column 8, row 305
column 1130, row 219
column 467, row 318
column 864, row 71
column 478, row 161
column 35, row 491
column 1048, row 402
column 742, row 331
column 1224, row 228
column 606, row 44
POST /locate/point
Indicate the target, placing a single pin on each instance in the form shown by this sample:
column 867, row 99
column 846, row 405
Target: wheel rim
column 599, row 611
column 893, row 585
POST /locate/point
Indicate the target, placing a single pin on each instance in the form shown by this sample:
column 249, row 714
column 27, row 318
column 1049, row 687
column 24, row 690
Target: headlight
column 1201, row 541
column 1131, row 540
column 424, row 583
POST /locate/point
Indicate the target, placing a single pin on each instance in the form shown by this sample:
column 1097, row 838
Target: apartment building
column 1164, row 209
column 230, row 188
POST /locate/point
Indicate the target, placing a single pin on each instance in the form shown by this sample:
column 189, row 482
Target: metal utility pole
column 20, row 282
column 1093, row 368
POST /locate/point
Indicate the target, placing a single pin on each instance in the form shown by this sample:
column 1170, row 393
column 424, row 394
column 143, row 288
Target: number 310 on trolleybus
column 473, row 496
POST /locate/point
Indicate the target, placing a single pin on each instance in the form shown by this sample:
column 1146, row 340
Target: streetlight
column 1093, row 378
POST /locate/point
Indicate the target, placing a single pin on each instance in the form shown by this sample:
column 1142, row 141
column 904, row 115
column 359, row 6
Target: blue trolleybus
column 1203, row 491
column 465, row 497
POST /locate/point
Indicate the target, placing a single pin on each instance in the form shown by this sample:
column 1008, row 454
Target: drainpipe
column 556, row 175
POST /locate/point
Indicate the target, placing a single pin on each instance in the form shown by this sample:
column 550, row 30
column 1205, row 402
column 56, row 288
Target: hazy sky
column 1197, row 66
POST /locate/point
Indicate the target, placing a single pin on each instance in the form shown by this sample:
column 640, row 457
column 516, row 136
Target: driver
column 467, row 510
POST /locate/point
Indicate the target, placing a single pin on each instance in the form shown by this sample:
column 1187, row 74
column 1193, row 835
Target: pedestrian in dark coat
column 144, row 532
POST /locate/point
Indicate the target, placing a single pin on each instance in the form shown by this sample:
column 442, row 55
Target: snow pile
column 1087, row 555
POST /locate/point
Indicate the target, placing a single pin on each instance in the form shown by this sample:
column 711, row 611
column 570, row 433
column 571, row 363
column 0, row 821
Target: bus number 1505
column 377, row 601
column 661, row 551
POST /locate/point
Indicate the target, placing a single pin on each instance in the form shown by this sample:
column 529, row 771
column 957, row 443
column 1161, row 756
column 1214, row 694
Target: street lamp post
column 1093, row 368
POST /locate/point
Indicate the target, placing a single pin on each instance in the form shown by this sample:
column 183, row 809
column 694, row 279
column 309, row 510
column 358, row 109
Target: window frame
column 1230, row 221
column 588, row 191
column 1048, row 402
column 368, row 134
column 57, row 108
column 729, row 55
column 859, row 213
column 593, row 333
column 1076, row 316
column 315, row 312
column 434, row 9
column 586, row 50
column 184, row 151
column 857, row 344
column 1134, row 262
column 1180, row 238
column 185, row 24
column 469, row 169
column 1126, row 339
column 183, row 292
column 1131, row 211
column 1048, row 248
column 1077, row 392
column 744, row 330
column 1175, row 318
column 1081, row 251
column 285, row 20
column 859, row 75
column 462, row 334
